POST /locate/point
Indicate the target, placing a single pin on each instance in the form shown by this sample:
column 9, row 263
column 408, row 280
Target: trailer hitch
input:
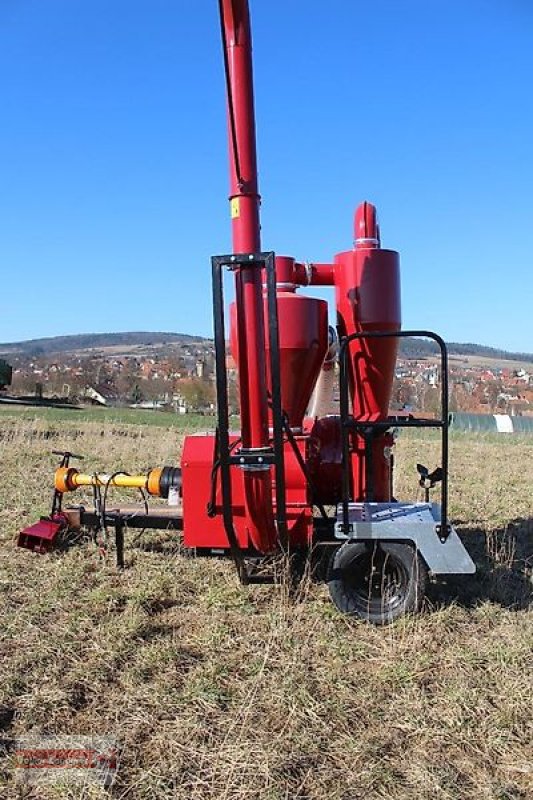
column 41, row 537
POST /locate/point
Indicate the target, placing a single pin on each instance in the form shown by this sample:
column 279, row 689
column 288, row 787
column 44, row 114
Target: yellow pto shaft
column 156, row 482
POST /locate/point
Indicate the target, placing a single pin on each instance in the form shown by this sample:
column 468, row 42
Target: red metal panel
column 41, row 536
column 200, row 530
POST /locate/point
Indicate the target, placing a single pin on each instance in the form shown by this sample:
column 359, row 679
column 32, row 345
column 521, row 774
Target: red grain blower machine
column 291, row 481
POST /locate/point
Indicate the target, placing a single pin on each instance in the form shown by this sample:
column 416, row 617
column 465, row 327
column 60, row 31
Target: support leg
column 119, row 542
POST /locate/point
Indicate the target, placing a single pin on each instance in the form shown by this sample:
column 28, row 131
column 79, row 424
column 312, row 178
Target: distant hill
column 418, row 348
column 409, row 348
column 88, row 341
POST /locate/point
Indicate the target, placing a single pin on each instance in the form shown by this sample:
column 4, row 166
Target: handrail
column 348, row 422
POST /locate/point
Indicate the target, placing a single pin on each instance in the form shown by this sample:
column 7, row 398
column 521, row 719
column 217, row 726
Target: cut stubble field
column 214, row 690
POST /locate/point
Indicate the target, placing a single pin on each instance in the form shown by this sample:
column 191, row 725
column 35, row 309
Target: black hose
column 231, row 109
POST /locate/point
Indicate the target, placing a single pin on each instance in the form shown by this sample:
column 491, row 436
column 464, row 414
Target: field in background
column 491, row 362
column 219, row 691
column 104, row 416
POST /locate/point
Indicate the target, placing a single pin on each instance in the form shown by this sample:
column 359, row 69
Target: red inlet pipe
column 244, row 204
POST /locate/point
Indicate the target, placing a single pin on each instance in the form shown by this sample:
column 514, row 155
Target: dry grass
column 219, row 691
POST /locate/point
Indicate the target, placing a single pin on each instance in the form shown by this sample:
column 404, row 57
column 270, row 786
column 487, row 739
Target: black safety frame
column 273, row 455
column 370, row 428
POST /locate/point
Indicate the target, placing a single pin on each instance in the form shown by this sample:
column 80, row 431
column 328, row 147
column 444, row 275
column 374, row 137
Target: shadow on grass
column 503, row 558
column 504, row 563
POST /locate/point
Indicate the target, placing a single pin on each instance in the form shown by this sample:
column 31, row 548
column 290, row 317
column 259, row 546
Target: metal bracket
column 57, row 499
column 256, row 458
column 343, row 530
column 443, row 535
column 237, row 260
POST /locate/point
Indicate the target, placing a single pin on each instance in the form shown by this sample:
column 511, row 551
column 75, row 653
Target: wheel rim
column 377, row 581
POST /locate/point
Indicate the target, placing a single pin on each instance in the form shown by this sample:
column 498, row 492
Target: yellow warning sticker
column 235, row 207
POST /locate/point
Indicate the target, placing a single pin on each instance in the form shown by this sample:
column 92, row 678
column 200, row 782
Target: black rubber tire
column 377, row 582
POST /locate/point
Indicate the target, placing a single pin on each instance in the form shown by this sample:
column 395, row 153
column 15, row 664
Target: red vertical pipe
column 244, row 195
column 366, row 227
column 244, row 204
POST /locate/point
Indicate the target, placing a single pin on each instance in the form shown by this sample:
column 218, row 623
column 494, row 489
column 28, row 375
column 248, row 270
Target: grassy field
column 127, row 416
column 218, row 691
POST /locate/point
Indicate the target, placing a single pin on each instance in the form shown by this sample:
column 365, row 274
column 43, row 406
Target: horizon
column 116, row 179
column 36, row 339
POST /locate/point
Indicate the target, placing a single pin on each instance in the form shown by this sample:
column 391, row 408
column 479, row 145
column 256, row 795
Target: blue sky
column 113, row 173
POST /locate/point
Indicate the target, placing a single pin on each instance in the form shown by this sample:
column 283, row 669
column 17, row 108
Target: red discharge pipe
column 366, row 227
column 244, row 205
